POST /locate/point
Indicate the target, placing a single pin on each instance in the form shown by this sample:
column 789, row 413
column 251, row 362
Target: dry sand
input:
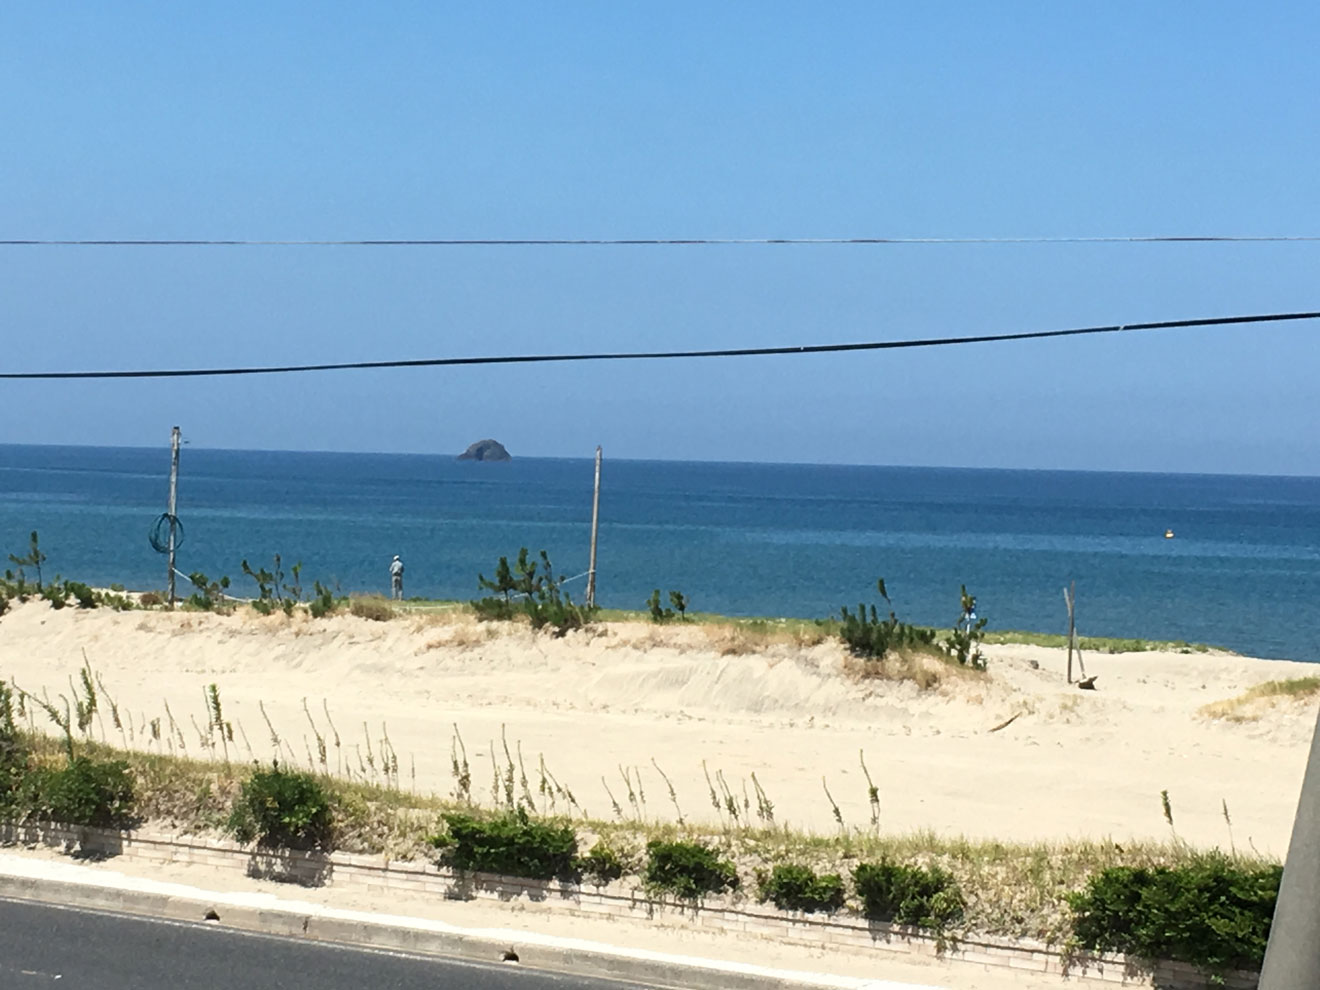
column 1073, row 764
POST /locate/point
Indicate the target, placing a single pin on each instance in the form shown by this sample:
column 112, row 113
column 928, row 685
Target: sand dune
column 1072, row 764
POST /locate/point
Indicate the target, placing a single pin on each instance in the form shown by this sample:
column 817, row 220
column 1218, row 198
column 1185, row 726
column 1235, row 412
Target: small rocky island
column 485, row 450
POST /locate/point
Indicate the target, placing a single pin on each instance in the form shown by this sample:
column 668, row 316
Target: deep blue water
column 745, row 539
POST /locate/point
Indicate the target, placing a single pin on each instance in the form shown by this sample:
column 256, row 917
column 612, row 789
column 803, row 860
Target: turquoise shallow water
column 745, row 539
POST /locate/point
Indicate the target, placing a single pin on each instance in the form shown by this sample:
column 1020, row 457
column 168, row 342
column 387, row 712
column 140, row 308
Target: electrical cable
column 882, row 345
column 663, row 241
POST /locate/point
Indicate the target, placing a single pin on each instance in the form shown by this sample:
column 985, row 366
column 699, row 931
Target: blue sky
column 275, row 120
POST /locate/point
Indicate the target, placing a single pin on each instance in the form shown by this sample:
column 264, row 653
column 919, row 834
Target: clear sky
column 668, row 119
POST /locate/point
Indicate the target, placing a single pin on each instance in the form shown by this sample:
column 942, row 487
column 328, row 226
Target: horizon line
column 671, row 460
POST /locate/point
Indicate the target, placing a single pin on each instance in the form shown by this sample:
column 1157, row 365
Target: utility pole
column 1070, row 596
column 174, row 503
column 595, row 520
column 1292, row 957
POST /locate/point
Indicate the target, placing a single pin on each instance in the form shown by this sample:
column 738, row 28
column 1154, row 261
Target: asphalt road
column 45, row 947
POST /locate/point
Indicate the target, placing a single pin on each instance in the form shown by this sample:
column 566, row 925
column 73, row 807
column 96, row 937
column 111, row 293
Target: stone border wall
column 378, row 874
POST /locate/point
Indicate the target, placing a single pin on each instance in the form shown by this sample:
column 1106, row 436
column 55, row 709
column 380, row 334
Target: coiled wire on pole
column 159, row 535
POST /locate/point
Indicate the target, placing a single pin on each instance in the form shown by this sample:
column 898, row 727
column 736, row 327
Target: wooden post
column 595, row 521
column 1070, row 596
column 174, row 494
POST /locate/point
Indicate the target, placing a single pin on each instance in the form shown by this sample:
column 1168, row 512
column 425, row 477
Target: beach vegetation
column 272, row 591
column 795, row 887
column 678, row 603
column 1213, row 912
column 906, row 894
column 867, row 635
column 323, row 602
column 34, row 558
column 688, row 869
column 510, row 843
column 151, row 599
column 209, row 595
column 282, row 808
column 1250, row 704
column 372, row 607
column 84, row 791
column 55, row 593
column 964, row 642
column 603, row 863
column 531, row 590
column 82, row 594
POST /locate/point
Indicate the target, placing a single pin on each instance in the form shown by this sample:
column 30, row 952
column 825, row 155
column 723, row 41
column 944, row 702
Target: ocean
column 1242, row 571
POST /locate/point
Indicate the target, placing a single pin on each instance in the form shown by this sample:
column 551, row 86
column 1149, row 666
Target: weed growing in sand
column 371, row 607
column 872, row 792
column 673, row 797
column 458, row 762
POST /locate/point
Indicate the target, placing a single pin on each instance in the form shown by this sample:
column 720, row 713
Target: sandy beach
column 633, row 696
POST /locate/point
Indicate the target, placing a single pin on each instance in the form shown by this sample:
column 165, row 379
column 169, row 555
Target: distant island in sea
column 485, row 450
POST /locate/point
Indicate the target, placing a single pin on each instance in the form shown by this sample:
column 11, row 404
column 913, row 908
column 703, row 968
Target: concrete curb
column 271, row 916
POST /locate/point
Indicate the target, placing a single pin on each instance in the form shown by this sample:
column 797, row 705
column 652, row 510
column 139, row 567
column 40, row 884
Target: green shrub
column 81, row 593
column 511, row 844
column 55, row 593
column 870, row 636
column 324, row 603
column 283, row 809
column 658, row 613
column 924, row 896
column 83, row 792
column 687, row 869
column 13, row 752
column 603, row 863
column 210, row 594
column 1214, row 913
column 539, row 596
column 799, row 888
column 964, row 642
column 374, row 608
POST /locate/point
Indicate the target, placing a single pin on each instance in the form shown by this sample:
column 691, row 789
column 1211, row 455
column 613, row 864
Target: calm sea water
column 743, row 539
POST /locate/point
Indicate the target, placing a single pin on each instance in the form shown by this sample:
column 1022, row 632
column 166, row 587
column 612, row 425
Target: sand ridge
column 623, row 695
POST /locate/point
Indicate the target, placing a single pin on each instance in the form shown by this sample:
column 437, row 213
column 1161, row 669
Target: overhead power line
column 655, row 241
column 732, row 352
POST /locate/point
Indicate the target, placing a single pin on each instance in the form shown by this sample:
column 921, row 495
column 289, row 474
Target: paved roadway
column 45, row 947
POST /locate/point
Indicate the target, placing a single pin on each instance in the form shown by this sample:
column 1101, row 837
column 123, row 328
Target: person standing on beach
column 396, row 578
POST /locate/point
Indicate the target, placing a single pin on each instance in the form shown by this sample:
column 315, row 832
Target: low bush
column 1214, row 913
column 687, row 869
column 151, row 599
column 55, row 593
column 511, row 844
column 924, row 896
column 375, row 609
column 800, row 888
column 13, row 752
column 83, row 792
column 283, row 809
column 539, row 596
column 323, row 603
column 867, row 635
column 603, row 863
column 81, row 593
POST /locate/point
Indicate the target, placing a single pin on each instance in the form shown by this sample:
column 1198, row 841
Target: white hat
column 396, row 556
